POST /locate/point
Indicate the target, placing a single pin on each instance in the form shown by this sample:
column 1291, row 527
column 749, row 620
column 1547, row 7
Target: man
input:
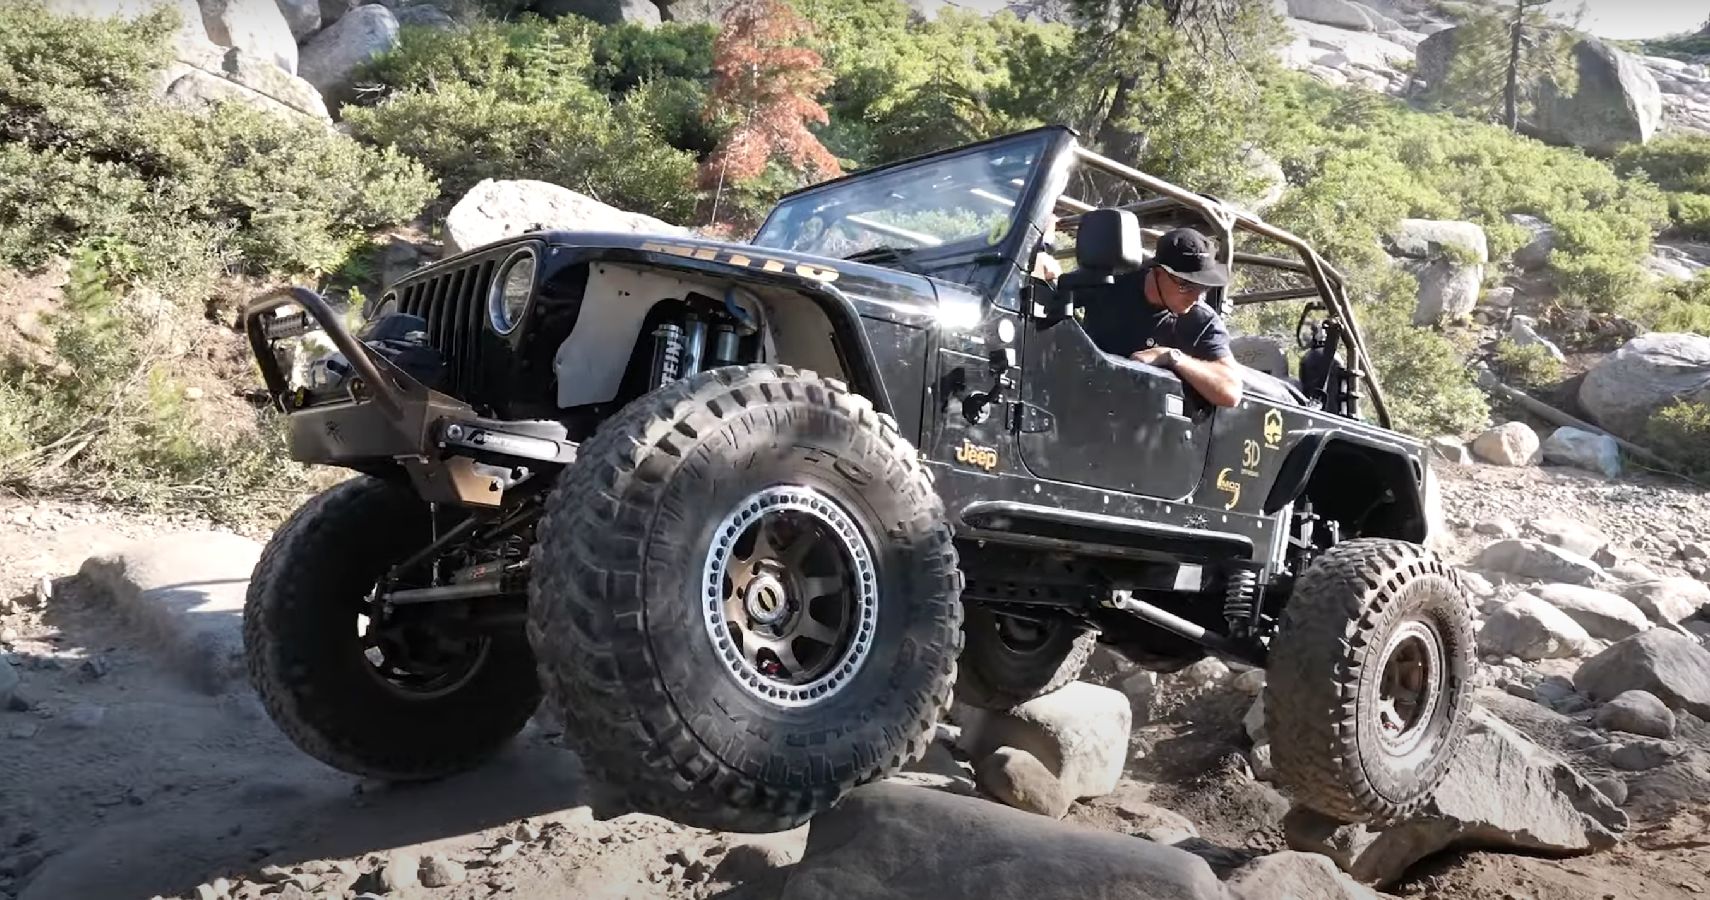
column 1168, row 325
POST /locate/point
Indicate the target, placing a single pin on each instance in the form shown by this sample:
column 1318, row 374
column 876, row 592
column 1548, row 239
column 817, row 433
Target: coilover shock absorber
column 667, row 354
column 1240, row 600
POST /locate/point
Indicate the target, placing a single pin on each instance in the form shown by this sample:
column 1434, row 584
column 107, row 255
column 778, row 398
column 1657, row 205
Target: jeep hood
column 875, row 291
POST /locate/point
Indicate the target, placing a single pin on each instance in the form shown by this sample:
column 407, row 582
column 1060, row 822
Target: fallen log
column 1548, row 413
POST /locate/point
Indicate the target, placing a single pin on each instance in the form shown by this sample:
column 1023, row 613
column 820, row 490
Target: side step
column 1066, row 525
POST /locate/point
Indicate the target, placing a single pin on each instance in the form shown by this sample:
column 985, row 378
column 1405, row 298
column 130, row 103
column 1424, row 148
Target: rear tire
column 307, row 658
column 1007, row 661
column 1367, row 691
column 745, row 600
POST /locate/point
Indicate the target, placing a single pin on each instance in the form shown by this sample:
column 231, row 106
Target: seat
column 1270, row 387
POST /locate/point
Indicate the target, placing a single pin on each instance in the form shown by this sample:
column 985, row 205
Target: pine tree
column 766, row 81
column 1501, row 55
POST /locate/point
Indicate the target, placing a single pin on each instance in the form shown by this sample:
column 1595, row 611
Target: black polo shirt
column 1121, row 321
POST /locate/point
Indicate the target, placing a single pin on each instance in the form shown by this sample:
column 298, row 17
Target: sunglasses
column 1184, row 286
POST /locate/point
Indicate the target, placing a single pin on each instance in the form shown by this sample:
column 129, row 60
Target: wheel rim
column 1023, row 637
column 1411, row 683
column 413, row 659
column 790, row 596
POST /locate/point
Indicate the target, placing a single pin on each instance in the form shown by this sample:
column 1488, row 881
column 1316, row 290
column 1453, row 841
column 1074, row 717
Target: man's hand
column 1046, row 268
column 1218, row 381
column 1149, row 356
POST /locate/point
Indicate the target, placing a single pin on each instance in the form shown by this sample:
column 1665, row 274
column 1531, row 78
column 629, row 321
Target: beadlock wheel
column 790, row 595
column 745, row 599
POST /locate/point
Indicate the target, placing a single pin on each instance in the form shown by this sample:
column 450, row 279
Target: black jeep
column 749, row 515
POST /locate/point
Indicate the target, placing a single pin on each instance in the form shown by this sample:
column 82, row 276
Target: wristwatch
column 1170, row 358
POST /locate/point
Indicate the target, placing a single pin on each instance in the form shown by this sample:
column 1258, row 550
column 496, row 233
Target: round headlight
column 508, row 298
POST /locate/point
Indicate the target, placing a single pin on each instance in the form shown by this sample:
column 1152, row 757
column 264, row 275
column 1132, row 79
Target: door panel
column 1115, row 423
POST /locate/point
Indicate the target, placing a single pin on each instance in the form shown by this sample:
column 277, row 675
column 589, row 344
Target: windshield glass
column 951, row 204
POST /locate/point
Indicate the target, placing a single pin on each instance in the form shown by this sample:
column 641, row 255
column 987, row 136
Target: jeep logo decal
column 732, row 257
column 984, row 457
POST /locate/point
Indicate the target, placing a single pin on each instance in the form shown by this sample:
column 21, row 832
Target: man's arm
column 1217, row 380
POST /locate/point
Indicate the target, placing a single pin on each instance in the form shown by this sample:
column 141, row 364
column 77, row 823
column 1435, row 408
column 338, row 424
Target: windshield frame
column 1049, row 141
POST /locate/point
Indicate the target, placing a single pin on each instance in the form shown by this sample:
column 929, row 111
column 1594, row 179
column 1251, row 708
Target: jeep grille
column 455, row 306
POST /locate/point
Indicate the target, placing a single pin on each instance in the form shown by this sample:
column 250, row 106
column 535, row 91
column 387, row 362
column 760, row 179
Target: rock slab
column 1663, row 662
column 184, row 594
column 494, row 210
column 891, row 842
column 1295, row 876
column 1080, row 732
column 257, row 27
column 1502, row 790
column 1536, row 559
column 1019, row 779
column 1603, row 615
column 1637, row 712
column 1668, row 600
column 1532, row 629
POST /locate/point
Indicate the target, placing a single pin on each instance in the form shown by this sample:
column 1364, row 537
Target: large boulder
column 1569, row 446
column 494, row 210
column 1448, row 258
column 1342, row 14
column 256, row 27
column 329, row 60
column 1668, row 600
column 1536, row 559
column 191, row 34
column 1291, row 875
column 304, row 16
column 1615, row 103
column 1603, row 615
column 1531, row 629
column 211, row 74
column 1508, row 444
column 1673, row 667
column 1650, row 371
column 1501, row 791
column 889, row 842
column 424, row 16
column 1080, row 732
column 606, row 12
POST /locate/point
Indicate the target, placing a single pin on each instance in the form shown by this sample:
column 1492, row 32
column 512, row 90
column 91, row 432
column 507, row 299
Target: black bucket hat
column 1189, row 255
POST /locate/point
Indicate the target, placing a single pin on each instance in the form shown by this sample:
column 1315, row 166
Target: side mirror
column 1108, row 242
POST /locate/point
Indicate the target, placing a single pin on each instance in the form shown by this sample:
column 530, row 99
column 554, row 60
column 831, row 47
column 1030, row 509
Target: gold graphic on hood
column 746, row 259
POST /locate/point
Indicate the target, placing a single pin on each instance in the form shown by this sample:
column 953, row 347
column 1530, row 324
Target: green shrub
column 1428, row 386
column 514, row 100
column 86, row 152
column 1690, row 214
column 629, row 55
column 1675, row 163
column 1681, row 306
column 1526, row 366
column 1681, row 432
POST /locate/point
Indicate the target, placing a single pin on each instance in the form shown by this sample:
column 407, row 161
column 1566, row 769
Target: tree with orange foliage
column 768, row 81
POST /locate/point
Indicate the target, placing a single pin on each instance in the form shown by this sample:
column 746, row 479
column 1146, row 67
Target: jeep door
column 1105, row 421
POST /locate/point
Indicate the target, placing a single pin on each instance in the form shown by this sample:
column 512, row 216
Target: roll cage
column 1171, row 205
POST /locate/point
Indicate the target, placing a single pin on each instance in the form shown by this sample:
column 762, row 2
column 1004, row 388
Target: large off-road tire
column 1367, row 690
column 745, row 599
column 345, row 703
column 1007, row 661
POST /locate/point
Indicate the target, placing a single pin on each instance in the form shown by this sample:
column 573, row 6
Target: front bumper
column 381, row 416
